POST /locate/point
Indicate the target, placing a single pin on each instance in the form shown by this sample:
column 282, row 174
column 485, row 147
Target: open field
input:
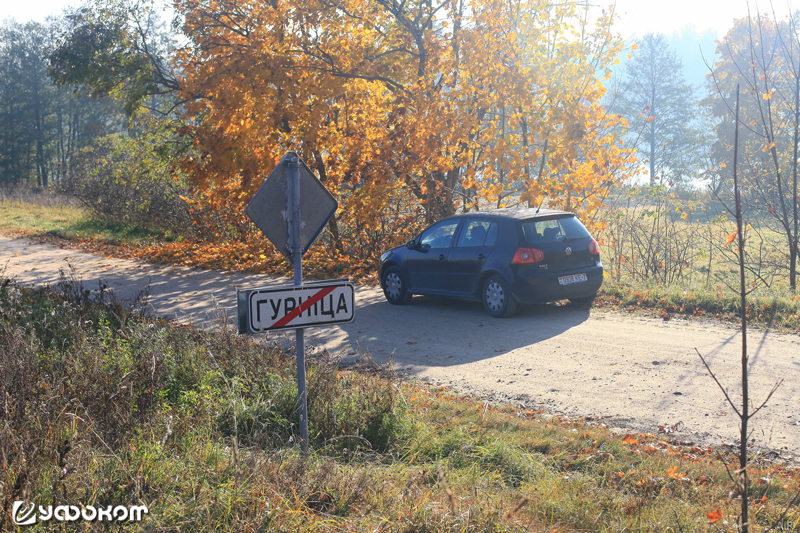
column 30, row 213
column 198, row 427
column 56, row 216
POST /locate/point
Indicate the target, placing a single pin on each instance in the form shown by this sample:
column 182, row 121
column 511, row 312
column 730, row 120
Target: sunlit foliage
column 407, row 111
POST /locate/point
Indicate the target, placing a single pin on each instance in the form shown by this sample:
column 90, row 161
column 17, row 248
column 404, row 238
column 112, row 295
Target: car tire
column 394, row 286
column 583, row 303
column 497, row 298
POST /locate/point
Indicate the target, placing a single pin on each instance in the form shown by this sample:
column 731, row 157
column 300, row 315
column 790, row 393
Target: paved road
column 640, row 372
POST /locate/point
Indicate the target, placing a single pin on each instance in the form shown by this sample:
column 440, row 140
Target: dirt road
column 639, row 372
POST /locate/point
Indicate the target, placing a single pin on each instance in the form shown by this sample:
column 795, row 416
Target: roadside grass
column 767, row 308
column 32, row 214
column 102, row 406
column 56, row 219
column 42, row 215
column 674, row 252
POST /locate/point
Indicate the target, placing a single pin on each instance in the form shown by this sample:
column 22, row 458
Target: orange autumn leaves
column 407, row 111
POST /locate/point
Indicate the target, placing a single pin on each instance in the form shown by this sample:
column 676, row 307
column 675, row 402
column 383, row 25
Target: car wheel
column 497, row 297
column 394, row 287
column 583, row 303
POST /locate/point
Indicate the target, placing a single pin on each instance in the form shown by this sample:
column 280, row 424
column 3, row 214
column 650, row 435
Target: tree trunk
column 653, row 137
column 502, row 139
column 41, row 164
column 61, row 167
column 333, row 226
column 745, row 414
column 793, row 238
column 449, row 186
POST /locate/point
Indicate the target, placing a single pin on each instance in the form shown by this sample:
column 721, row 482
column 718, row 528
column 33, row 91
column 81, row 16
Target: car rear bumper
column 532, row 286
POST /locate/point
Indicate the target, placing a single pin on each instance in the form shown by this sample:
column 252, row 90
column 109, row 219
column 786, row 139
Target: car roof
column 516, row 213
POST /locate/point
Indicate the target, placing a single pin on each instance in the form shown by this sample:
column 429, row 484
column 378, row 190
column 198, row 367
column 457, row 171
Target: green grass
column 42, row 215
column 103, row 407
column 771, row 308
column 38, row 217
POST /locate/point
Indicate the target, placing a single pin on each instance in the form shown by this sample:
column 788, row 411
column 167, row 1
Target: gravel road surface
column 639, row 373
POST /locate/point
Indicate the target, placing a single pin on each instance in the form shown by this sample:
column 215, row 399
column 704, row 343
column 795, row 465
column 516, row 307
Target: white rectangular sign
column 296, row 307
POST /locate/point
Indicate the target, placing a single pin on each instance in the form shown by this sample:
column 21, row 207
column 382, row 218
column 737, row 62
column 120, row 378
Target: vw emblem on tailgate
column 568, row 251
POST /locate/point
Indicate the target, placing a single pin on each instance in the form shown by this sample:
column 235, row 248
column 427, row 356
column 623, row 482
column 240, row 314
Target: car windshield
column 553, row 230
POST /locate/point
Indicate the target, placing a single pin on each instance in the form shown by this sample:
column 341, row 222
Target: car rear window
column 553, row 230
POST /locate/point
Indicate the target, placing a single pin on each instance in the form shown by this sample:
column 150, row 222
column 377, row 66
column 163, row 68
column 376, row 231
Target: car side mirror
column 412, row 244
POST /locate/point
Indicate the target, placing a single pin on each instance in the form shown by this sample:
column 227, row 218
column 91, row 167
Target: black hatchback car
column 502, row 258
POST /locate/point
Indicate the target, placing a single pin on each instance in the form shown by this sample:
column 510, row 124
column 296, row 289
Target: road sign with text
column 321, row 304
column 291, row 208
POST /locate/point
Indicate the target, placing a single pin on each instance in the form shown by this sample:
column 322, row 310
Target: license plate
column 569, row 280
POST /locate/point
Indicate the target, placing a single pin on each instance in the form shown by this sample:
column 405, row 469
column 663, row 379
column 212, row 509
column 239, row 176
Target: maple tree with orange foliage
column 407, row 112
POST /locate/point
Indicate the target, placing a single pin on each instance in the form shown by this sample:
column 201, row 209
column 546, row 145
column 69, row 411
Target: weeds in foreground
column 103, row 407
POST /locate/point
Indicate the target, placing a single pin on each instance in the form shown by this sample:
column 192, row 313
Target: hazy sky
column 669, row 16
column 636, row 16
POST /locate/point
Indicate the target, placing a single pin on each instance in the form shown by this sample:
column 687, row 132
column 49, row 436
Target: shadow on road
column 443, row 332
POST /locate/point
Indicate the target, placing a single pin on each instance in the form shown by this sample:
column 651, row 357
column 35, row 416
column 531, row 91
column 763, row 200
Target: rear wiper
column 573, row 239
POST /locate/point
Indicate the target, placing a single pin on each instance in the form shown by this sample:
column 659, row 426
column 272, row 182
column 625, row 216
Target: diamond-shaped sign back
column 270, row 208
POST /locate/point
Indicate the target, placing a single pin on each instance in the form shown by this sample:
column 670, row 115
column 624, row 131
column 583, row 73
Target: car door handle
column 481, row 256
column 442, row 257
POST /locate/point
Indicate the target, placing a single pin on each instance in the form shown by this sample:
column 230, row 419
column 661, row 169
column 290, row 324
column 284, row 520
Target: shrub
column 128, row 181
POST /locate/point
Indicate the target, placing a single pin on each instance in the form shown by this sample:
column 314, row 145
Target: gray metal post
column 297, row 262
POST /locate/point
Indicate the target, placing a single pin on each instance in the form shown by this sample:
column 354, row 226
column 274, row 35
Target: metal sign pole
column 274, row 209
column 297, row 261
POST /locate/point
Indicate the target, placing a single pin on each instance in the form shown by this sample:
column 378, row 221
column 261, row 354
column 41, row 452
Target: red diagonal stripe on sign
column 303, row 307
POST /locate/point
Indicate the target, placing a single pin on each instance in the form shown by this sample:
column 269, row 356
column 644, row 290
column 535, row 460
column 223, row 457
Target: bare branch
column 714, row 377
column 757, row 409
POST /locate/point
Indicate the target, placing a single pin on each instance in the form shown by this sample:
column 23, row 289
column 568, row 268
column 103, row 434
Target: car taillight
column 594, row 248
column 527, row 255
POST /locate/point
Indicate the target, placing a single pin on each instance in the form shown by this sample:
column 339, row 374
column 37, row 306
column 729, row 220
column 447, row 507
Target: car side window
column 438, row 236
column 477, row 233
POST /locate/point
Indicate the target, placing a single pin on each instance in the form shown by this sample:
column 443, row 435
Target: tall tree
column 116, row 48
column 762, row 54
column 661, row 110
column 42, row 125
column 407, row 110
column 26, row 97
